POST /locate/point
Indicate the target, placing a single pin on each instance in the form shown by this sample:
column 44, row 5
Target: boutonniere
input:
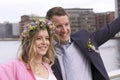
column 91, row 47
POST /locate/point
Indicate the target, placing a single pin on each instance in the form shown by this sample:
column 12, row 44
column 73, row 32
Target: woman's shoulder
column 9, row 68
column 11, row 64
column 48, row 66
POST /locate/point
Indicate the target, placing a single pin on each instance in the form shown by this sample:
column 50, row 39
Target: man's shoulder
column 81, row 33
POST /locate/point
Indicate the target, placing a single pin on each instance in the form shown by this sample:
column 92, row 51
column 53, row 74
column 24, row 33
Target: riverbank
column 9, row 39
column 17, row 39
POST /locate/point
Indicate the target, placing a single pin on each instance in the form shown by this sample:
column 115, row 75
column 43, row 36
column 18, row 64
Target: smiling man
column 77, row 54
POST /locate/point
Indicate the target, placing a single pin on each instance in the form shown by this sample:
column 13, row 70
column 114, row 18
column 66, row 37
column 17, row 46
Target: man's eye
column 58, row 26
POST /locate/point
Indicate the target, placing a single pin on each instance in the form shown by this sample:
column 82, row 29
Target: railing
column 114, row 74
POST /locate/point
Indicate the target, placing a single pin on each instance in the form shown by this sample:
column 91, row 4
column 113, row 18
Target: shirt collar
column 56, row 43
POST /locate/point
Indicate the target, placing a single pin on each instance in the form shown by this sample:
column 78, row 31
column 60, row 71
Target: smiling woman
column 37, row 54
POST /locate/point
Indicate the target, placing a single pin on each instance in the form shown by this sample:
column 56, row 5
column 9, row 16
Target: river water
column 110, row 53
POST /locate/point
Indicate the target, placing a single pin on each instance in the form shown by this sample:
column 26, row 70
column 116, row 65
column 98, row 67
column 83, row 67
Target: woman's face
column 42, row 42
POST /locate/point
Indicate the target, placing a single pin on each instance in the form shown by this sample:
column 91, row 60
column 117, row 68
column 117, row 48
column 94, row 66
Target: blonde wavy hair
column 28, row 54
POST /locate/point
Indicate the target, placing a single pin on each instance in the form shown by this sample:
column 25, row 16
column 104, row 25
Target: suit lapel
column 57, row 70
column 94, row 58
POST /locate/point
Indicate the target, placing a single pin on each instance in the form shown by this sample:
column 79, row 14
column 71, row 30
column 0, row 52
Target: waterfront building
column 24, row 20
column 6, row 30
column 82, row 18
column 15, row 30
column 117, row 8
column 117, row 12
column 104, row 18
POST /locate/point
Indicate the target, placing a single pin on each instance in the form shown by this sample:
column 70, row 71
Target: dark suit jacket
column 99, row 37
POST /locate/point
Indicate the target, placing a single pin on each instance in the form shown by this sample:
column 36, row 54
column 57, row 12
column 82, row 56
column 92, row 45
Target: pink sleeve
column 7, row 71
column 15, row 70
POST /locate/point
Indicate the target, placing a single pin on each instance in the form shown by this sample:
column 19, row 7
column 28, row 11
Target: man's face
column 63, row 29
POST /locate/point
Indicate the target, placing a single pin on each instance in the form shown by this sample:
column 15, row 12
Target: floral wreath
column 34, row 24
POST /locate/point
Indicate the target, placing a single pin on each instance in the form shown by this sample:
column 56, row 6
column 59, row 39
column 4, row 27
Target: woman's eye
column 38, row 38
column 47, row 38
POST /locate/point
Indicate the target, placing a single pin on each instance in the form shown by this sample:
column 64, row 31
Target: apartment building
column 82, row 18
column 104, row 18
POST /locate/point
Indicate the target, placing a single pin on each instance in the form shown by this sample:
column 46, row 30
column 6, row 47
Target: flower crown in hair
column 34, row 24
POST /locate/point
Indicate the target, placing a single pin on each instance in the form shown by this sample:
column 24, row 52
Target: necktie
column 67, row 64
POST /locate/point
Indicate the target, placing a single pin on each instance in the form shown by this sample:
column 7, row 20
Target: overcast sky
column 12, row 10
